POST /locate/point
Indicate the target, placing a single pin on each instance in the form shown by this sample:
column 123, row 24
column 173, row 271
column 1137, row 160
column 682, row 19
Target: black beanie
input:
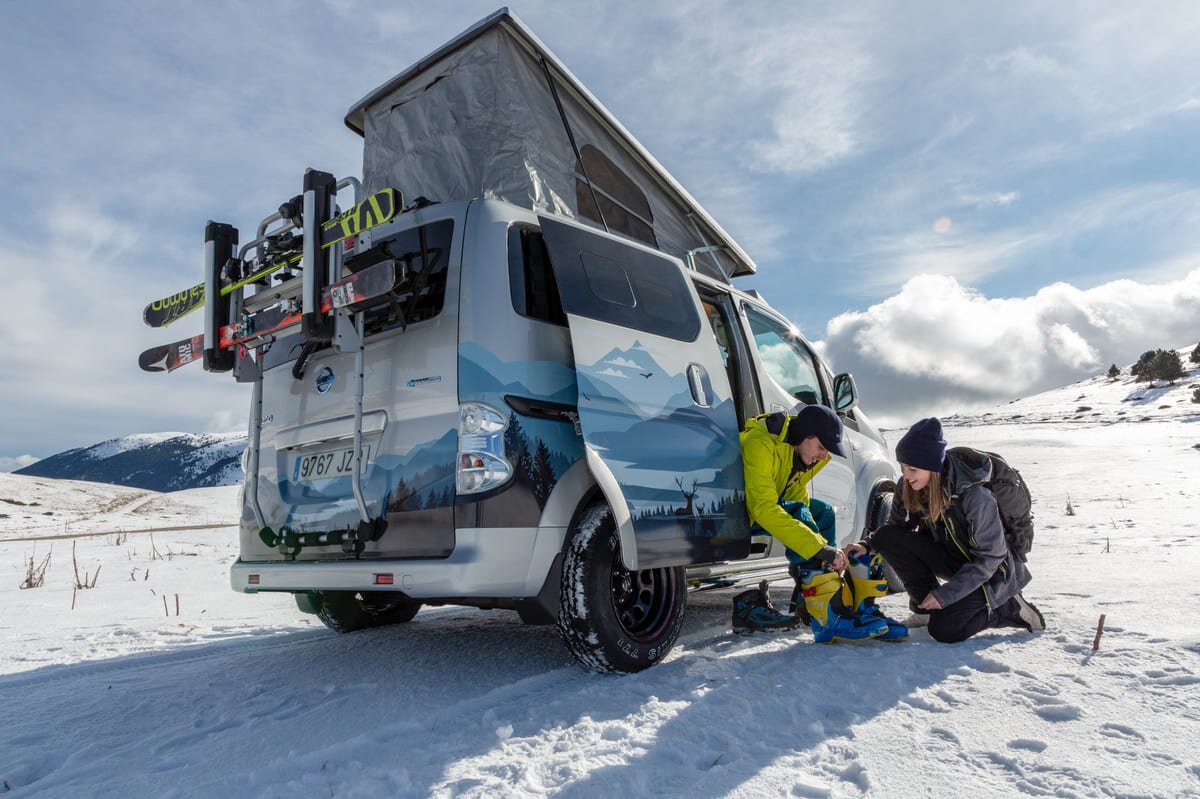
column 819, row 421
column 923, row 446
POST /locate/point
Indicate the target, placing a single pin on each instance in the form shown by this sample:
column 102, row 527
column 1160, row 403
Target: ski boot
column 753, row 611
column 1027, row 615
column 865, row 582
column 829, row 616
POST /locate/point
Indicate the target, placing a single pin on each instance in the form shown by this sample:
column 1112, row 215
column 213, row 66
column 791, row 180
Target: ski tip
column 152, row 367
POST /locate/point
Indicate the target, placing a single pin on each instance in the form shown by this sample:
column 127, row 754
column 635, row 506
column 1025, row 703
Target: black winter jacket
column 971, row 529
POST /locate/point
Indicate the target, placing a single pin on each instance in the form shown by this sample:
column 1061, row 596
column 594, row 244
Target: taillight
column 482, row 464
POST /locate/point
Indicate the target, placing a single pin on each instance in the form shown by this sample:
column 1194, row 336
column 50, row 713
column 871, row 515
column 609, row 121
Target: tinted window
column 530, row 278
column 604, row 279
column 425, row 254
column 784, row 357
column 607, row 279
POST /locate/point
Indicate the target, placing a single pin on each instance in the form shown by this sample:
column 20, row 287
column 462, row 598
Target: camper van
column 511, row 373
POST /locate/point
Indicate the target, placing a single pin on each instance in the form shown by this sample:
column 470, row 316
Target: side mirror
column 845, row 393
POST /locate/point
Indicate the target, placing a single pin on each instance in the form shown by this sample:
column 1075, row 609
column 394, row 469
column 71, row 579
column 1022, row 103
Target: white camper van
column 512, row 373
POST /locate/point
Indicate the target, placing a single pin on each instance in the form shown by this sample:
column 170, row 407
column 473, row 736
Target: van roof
column 519, row 66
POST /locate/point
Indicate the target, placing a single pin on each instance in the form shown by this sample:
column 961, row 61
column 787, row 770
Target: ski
column 380, row 207
column 350, row 292
column 169, row 357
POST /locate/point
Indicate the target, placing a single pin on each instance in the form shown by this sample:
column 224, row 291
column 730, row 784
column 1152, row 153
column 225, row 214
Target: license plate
column 327, row 465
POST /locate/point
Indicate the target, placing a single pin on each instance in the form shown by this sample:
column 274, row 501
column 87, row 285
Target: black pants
column 919, row 561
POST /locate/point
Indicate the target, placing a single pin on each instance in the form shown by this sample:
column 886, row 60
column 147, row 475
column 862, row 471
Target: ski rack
column 319, row 268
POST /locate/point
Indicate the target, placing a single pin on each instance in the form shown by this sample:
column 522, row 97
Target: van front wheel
column 612, row 619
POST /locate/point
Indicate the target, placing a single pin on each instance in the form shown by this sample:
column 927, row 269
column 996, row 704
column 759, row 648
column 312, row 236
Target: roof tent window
column 623, row 204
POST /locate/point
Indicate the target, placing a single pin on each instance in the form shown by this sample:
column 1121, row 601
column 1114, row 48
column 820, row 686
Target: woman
column 945, row 524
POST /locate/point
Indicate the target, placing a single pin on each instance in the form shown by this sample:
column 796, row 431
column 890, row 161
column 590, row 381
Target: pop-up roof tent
column 492, row 114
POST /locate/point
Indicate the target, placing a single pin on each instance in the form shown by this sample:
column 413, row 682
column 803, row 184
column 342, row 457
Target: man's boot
column 864, row 582
column 753, row 611
column 830, row 618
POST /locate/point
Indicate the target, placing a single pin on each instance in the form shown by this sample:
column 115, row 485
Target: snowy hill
column 160, row 681
column 1103, row 400
column 158, row 461
column 42, row 506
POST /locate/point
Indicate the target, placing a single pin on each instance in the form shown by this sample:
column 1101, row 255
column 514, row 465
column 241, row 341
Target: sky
column 961, row 204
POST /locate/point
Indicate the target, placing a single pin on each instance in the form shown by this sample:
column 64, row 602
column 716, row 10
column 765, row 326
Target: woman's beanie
column 923, row 446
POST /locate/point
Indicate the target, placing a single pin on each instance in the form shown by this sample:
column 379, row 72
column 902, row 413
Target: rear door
column 655, row 405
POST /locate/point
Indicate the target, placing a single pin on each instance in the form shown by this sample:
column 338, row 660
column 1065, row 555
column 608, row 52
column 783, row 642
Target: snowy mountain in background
column 1102, row 400
column 155, row 461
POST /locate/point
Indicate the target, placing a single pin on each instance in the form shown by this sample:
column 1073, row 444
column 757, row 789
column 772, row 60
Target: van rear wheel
column 612, row 619
column 347, row 611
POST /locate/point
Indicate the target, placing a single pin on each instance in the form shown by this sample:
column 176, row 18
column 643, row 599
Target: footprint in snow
column 1058, row 711
column 812, row 789
column 1121, row 731
column 1028, row 744
column 944, row 734
column 993, row 666
column 1039, row 692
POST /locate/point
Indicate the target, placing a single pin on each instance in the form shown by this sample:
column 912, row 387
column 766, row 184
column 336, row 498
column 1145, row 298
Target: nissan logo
column 324, row 380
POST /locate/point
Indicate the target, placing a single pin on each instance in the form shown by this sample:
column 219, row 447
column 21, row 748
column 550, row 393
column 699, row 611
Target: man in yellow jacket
column 780, row 455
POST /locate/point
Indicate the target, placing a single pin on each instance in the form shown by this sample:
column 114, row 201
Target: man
column 780, row 455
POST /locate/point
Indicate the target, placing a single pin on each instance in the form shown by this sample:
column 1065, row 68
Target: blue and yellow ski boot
column 864, row 582
column 830, row 617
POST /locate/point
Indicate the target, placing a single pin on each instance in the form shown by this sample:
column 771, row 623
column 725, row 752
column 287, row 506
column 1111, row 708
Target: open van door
column 655, row 405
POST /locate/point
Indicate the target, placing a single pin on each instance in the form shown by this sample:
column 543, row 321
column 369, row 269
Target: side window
column 623, row 204
column 607, row 280
column 530, row 278
column 784, row 357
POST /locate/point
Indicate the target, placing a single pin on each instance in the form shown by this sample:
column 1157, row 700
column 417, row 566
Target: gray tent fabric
column 477, row 118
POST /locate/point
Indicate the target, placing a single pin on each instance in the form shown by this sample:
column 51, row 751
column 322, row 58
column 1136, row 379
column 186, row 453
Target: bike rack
column 319, row 269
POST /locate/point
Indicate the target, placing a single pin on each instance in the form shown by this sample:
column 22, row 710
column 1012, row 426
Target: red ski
column 350, row 292
column 169, row 357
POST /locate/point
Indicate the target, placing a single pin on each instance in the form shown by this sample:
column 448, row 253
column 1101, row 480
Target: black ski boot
column 753, row 611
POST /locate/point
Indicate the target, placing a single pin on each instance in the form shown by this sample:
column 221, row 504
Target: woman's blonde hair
column 931, row 500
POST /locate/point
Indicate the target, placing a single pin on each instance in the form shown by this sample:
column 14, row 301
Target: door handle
column 700, row 385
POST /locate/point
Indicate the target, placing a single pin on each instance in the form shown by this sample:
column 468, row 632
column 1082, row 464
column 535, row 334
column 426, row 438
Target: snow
column 243, row 695
column 116, row 446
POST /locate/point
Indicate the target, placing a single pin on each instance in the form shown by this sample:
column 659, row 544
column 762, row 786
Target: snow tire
column 611, row 619
column 347, row 611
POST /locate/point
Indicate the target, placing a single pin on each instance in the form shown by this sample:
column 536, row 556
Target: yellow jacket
column 768, row 463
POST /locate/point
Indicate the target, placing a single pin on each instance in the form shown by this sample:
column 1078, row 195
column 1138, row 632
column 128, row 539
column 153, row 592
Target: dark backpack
column 1012, row 498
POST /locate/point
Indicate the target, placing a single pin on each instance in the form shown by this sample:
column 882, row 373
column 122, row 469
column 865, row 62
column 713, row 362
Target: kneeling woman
column 945, row 524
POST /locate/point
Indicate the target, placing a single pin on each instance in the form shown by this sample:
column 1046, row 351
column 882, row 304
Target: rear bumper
column 490, row 562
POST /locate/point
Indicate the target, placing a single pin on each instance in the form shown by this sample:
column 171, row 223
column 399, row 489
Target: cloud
column 20, row 462
column 938, row 346
column 613, row 373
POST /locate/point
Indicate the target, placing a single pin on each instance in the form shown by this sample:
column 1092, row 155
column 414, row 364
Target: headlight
column 482, row 464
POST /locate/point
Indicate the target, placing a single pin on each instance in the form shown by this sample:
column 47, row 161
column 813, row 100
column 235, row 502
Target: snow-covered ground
column 162, row 682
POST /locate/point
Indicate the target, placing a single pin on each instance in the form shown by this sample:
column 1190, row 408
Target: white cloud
column 613, row 373
column 19, row 462
column 227, row 420
column 628, row 364
column 938, row 346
